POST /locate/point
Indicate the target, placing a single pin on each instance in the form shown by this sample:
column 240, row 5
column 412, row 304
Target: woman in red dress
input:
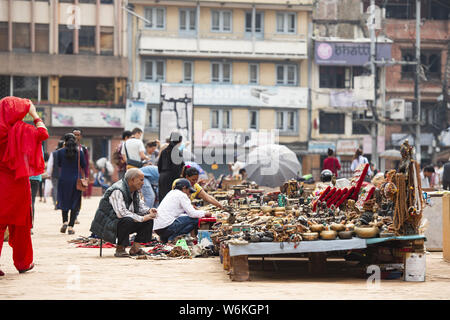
column 20, row 157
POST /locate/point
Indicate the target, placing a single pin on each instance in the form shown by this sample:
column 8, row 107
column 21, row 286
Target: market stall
column 382, row 219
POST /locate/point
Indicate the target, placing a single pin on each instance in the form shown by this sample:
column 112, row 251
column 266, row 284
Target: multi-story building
column 341, row 115
column 242, row 65
column 399, row 24
column 70, row 58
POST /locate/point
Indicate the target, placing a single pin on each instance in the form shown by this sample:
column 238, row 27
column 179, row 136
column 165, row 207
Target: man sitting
column 176, row 215
column 121, row 212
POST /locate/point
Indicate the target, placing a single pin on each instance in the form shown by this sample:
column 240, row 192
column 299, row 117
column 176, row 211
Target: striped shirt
column 121, row 210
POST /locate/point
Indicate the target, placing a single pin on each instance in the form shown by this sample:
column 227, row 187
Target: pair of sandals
column 122, row 254
column 64, row 227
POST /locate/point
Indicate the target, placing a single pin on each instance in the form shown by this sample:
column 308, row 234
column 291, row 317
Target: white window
column 188, row 71
column 286, row 121
column 253, row 117
column 286, row 22
column 188, row 21
column 220, row 119
column 156, row 18
column 259, row 22
column 253, row 71
column 221, row 20
column 154, row 70
column 287, row 74
column 220, row 72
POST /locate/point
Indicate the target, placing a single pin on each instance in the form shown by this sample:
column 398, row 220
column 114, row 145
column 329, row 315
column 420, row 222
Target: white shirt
column 238, row 165
column 134, row 147
column 357, row 162
column 174, row 204
column 121, row 210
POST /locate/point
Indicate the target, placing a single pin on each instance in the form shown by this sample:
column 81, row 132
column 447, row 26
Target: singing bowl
column 328, row 235
column 337, row 227
column 316, row 227
column 366, row 231
column 345, row 234
column 310, row 236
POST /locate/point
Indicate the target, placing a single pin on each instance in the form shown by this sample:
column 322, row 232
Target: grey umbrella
column 272, row 165
column 391, row 154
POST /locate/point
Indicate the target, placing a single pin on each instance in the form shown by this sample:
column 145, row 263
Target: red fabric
column 20, row 157
column 20, row 241
column 332, row 164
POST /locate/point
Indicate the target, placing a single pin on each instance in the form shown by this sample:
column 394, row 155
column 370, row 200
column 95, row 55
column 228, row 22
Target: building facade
column 240, row 65
column 399, row 24
column 70, row 59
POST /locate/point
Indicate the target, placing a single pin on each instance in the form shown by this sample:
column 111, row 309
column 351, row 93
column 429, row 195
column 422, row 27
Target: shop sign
column 346, row 147
column 251, row 96
column 88, row 117
column 349, row 53
column 320, row 147
column 345, row 99
column 426, row 139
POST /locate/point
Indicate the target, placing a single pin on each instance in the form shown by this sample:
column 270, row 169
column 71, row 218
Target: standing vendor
column 192, row 174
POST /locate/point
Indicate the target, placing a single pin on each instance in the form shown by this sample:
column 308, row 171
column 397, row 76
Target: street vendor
column 192, row 175
column 121, row 212
column 176, row 215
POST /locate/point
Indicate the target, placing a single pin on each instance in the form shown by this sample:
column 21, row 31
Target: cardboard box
column 415, row 266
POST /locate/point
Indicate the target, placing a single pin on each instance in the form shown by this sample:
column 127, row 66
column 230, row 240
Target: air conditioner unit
column 396, row 109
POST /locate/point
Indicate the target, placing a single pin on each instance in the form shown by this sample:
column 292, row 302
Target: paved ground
column 65, row 272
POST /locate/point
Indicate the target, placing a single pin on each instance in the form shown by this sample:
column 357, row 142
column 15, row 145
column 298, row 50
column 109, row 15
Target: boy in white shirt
column 176, row 215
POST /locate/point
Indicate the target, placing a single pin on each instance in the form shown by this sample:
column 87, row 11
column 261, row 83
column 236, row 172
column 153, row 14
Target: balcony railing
column 284, row 46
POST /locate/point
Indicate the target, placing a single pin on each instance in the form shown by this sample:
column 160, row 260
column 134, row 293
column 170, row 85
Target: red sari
column 20, row 157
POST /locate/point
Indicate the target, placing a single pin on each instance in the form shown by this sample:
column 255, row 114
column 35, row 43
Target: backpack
column 117, row 158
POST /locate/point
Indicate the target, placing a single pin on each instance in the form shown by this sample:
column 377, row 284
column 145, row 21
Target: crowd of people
column 432, row 176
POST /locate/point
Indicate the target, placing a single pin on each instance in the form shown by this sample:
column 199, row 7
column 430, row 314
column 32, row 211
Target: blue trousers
column 182, row 225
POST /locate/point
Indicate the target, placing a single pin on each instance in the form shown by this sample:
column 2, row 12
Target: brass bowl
column 337, row 227
column 310, row 236
column 266, row 209
column 366, row 231
column 316, row 227
column 328, row 235
column 345, row 234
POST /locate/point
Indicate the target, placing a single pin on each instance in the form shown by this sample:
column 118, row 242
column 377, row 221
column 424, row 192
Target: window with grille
column 65, row 40
column 286, row 121
column 220, row 72
column 154, row 70
column 259, row 22
column 188, row 70
column 333, row 123
column 188, row 21
column 286, row 74
column 156, row 18
column 286, row 22
column 3, row 36
column 107, row 41
column 220, row 119
column 221, row 20
column 253, row 69
column 253, row 119
column 42, row 38
column 86, row 40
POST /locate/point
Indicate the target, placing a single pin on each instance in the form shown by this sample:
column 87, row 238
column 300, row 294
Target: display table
column 237, row 254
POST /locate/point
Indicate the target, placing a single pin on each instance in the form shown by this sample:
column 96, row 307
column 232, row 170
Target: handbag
column 82, row 183
column 131, row 162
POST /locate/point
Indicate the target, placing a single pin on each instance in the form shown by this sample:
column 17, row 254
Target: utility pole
column 416, row 83
column 373, row 69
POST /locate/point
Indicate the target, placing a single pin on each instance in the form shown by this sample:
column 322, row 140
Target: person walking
column 69, row 198
column 331, row 163
column 21, row 157
column 78, row 136
column 170, row 165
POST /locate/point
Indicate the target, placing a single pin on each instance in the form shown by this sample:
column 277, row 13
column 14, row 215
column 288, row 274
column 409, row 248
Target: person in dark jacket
column 122, row 212
column 170, row 165
column 68, row 159
column 446, row 176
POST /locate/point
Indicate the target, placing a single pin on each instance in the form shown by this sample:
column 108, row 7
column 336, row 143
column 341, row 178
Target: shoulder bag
column 131, row 162
column 82, row 183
